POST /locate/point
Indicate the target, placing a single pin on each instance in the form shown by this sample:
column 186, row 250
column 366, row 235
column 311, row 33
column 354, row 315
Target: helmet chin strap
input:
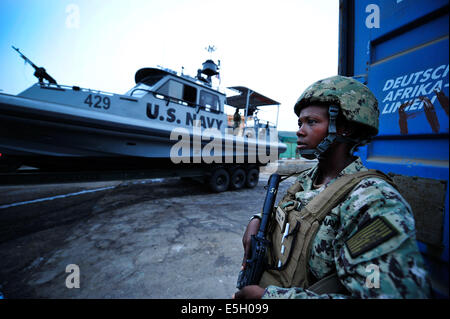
column 333, row 112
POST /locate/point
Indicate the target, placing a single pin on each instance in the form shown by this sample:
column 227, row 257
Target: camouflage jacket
column 390, row 268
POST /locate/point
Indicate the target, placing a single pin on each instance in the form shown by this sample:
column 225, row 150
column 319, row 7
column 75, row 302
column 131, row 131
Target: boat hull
column 33, row 134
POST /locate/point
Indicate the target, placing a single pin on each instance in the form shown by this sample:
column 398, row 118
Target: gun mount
column 40, row 72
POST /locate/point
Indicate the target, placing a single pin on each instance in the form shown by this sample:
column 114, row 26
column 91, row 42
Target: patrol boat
column 166, row 118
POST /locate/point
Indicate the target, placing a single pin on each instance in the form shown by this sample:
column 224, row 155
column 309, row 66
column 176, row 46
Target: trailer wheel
column 252, row 178
column 238, row 179
column 219, row 180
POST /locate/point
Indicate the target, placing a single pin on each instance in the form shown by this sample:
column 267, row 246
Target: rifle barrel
column 40, row 73
column 25, row 58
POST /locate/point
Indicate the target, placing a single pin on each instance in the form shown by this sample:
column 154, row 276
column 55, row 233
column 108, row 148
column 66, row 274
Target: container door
column 399, row 49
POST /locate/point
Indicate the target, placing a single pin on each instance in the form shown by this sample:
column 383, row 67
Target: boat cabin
column 198, row 93
column 182, row 89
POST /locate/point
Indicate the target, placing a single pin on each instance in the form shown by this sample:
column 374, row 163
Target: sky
column 276, row 48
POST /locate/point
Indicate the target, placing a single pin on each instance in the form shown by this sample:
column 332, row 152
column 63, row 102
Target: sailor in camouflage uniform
column 367, row 241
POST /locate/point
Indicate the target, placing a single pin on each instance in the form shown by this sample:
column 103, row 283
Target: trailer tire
column 252, row 178
column 238, row 179
column 219, row 180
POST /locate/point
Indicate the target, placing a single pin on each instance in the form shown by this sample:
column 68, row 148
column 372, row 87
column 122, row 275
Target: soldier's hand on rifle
column 249, row 292
column 252, row 229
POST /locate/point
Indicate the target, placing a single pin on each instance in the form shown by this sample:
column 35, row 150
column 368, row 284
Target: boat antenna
column 211, row 49
column 210, row 68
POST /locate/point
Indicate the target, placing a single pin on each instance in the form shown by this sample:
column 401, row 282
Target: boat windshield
column 139, row 90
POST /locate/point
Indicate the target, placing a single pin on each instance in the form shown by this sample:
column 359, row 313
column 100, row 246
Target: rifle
column 255, row 266
column 40, row 73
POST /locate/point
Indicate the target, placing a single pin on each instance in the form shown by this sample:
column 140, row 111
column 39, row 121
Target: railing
column 74, row 88
column 155, row 94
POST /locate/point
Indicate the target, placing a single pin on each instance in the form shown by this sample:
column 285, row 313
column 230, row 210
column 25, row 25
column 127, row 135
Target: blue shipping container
column 399, row 49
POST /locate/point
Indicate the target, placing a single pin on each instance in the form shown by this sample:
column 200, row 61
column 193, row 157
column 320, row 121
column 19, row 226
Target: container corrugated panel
column 399, row 49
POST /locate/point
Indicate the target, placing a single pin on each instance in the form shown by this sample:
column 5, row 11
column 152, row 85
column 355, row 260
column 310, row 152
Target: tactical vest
column 291, row 245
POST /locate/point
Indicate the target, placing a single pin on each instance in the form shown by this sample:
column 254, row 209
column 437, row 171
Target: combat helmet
column 347, row 96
